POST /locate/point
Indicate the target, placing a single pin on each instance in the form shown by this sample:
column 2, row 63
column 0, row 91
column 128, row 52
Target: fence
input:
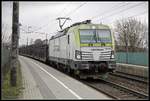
column 136, row 58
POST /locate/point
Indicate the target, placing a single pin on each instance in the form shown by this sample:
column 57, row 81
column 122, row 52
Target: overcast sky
column 41, row 16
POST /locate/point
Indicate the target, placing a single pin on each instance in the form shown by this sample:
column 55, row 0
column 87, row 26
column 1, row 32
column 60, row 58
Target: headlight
column 112, row 55
column 78, row 54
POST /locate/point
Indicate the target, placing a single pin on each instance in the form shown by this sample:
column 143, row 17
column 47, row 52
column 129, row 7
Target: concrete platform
column 43, row 82
column 133, row 69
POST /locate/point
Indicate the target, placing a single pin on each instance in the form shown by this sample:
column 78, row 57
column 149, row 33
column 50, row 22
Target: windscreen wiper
column 102, row 43
column 93, row 37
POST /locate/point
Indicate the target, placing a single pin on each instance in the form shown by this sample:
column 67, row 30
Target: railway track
column 114, row 90
column 136, row 83
column 131, row 77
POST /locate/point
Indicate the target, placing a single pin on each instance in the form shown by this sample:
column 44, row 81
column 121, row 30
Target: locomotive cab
column 83, row 49
column 94, row 54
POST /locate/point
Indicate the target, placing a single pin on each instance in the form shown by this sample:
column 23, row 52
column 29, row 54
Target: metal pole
column 14, row 46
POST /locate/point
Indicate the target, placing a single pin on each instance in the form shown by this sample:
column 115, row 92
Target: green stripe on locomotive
column 75, row 30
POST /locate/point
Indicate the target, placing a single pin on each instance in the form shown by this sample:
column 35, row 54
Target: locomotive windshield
column 95, row 36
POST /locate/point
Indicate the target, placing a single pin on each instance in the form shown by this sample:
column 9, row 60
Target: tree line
column 131, row 35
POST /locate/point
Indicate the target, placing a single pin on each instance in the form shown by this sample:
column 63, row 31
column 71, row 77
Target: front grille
column 87, row 55
column 105, row 55
column 102, row 56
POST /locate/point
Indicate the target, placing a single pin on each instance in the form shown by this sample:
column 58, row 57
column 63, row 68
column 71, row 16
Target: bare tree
column 3, row 32
column 6, row 35
column 131, row 33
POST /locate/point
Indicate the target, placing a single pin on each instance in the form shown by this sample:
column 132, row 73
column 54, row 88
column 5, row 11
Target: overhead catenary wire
column 63, row 9
column 66, row 16
column 71, row 12
column 133, row 15
column 49, row 21
column 138, row 14
column 74, row 10
column 43, row 25
column 120, row 11
column 110, row 10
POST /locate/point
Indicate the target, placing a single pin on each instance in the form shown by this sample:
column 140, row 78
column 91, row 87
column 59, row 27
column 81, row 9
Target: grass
column 9, row 92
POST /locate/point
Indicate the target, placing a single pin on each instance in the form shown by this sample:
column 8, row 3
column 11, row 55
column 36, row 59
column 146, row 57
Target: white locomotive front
column 83, row 49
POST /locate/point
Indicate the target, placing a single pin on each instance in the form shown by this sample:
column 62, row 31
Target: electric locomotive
column 83, row 49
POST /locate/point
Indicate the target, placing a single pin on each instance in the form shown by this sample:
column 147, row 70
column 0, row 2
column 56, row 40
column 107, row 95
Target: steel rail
column 130, row 76
column 127, row 92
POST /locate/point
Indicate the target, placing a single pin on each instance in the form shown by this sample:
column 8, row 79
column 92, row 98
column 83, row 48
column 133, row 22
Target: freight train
column 83, row 49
